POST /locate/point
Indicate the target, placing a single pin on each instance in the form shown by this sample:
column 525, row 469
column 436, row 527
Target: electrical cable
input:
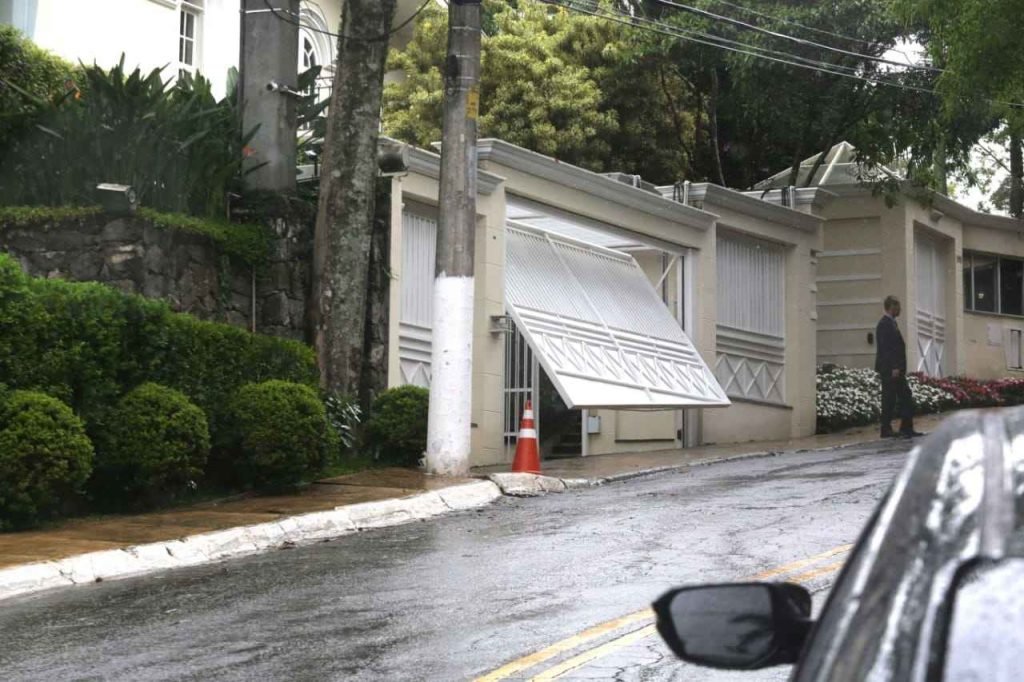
column 805, row 27
column 785, row 36
column 283, row 16
column 751, row 50
column 783, row 20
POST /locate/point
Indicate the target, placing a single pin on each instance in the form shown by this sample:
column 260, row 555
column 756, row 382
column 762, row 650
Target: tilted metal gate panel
column 600, row 330
column 931, row 306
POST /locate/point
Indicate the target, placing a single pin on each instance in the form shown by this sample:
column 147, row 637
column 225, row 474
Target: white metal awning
column 599, row 329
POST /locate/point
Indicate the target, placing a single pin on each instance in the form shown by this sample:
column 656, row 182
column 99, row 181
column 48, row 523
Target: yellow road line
column 603, row 629
column 567, row 644
column 802, row 563
column 597, row 652
column 814, row 573
column 644, row 632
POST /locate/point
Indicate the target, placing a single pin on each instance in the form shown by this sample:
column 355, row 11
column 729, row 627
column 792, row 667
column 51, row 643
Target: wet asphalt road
column 457, row 596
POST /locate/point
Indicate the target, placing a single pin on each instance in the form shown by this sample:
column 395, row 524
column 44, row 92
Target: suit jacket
column 890, row 349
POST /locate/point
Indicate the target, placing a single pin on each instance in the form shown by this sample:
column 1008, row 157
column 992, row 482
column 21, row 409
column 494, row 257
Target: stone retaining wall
column 187, row 270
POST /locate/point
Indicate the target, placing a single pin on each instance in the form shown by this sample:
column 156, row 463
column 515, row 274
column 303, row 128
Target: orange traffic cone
column 527, row 460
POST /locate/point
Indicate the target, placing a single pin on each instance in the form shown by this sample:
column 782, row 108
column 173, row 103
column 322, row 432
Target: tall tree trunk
column 677, row 121
column 344, row 222
column 794, row 169
column 939, row 166
column 378, row 290
column 1016, row 175
column 716, row 156
column 698, row 141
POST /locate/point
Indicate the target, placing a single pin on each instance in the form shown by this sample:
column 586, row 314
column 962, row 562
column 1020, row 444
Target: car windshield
column 958, row 499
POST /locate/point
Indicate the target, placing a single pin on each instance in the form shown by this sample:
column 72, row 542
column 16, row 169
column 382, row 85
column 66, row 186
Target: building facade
column 196, row 36
column 635, row 318
column 958, row 272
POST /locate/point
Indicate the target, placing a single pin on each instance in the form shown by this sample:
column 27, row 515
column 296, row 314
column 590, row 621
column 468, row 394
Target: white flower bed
column 853, row 397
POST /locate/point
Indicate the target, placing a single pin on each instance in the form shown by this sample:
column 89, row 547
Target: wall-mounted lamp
column 274, row 86
column 501, row 324
column 117, row 199
column 392, row 159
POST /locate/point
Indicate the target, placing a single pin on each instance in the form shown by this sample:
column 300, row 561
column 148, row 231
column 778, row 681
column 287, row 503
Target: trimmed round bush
column 45, row 458
column 152, row 448
column 397, row 428
column 281, row 433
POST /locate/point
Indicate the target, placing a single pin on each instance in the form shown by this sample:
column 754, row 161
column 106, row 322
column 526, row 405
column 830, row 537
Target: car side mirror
column 741, row 626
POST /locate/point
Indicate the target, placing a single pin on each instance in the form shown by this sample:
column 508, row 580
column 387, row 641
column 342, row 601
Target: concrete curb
column 531, row 485
column 244, row 540
column 308, row 528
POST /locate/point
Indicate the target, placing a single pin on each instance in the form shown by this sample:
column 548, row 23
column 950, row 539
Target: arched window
column 316, row 45
column 307, row 52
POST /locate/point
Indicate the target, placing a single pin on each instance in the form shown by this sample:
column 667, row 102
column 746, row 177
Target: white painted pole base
column 451, row 377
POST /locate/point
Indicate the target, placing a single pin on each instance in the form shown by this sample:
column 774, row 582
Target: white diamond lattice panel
column 751, row 366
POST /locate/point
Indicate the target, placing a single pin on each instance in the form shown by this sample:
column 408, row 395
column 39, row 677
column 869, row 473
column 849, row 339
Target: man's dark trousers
column 890, row 357
column 896, row 392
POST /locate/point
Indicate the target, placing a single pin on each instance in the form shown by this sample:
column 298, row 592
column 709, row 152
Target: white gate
column 416, row 319
column 931, row 306
column 522, row 378
column 599, row 329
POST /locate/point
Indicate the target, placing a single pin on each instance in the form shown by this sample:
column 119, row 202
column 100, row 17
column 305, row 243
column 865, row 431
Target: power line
column 805, row 27
column 783, row 20
column 283, row 16
column 785, row 36
column 722, row 41
column 744, row 48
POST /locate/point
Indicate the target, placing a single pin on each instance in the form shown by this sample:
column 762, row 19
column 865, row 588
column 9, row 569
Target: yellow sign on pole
column 473, row 103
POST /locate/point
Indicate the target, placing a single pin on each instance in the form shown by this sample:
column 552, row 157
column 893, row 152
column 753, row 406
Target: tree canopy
column 728, row 92
column 563, row 84
column 979, row 44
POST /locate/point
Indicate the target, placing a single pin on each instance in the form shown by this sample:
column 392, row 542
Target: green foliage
column 23, row 216
column 177, row 145
column 151, row 448
column 29, row 77
column 45, row 458
column 281, row 433
column 89, row 343
column 978, row 45
column 250, row 243
column 559, row 83
column 397, row 427
column 345, row 416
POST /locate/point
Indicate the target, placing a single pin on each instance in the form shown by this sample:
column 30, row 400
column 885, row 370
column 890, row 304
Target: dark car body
column 934, row 588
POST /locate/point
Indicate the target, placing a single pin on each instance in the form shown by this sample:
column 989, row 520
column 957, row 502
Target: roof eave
column 568, row 175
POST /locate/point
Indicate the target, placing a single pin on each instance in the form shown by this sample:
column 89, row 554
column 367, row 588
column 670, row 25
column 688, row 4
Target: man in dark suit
column 891, row 365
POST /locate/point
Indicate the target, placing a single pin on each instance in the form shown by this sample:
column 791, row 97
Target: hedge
column 151, row 449
column 88, row 344
column 398, row 425
column 280, row 433
column 45, row 458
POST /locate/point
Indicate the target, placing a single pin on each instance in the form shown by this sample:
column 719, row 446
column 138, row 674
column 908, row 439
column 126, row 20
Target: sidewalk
column 102, row 548
column 599, row 468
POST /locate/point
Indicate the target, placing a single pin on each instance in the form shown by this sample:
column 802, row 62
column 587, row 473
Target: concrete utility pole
column 449, row 422
column 268, row 80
